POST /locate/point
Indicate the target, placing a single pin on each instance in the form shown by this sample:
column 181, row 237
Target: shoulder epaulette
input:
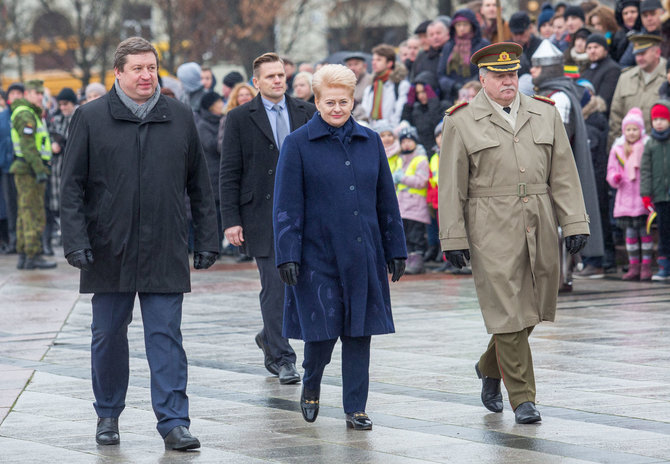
column 544, row 99
column 455, row 108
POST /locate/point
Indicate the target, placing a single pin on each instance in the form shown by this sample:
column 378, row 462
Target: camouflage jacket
column 25, row 125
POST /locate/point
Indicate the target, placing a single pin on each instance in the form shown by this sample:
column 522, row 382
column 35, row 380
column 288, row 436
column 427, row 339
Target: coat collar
column 317, row 128
column 160, row 113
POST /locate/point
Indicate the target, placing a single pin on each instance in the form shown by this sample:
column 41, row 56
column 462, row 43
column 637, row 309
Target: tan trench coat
column 512, row 237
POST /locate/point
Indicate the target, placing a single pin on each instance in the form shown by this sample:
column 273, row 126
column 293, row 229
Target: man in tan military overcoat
column 507, row 182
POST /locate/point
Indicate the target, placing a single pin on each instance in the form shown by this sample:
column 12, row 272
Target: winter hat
column 634, row 116
column 189, row 75
column 650, row 5
column 95, row 88
column 519, row 22
column 438, row 128
column 383, row 126
column 574, row 10
column 209, row 99
column 232, row 78
column 67, row 94
column 422, row 28
column 408, row 132
column 16, row 86
column 545, row 16
column 597, row 38
column 660, row 111
column 459, row 17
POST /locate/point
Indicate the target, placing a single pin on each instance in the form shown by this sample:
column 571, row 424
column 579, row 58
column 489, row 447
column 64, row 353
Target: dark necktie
column 507, row 109
column 282, row 129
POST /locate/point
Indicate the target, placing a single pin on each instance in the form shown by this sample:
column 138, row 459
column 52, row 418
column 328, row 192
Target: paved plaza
column 602, row 370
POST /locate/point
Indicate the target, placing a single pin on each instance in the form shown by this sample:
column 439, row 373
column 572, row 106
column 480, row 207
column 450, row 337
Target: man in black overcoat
column 603, row 72
column 130, row 157
column 251, row 142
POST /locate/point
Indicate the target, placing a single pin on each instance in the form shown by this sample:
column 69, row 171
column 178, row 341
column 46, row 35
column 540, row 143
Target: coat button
column 528, row 229
column 522, row 169
column 270, row 172
column 525, row 199
column 359, row 239
column 347, row 163
column 516, row 139
column 356, row 213
column 267, row 197
column 352, row 188
column 272, row 147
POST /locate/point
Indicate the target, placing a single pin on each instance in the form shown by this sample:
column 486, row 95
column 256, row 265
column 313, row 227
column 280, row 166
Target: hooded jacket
column 452, row 82
column 655, row 167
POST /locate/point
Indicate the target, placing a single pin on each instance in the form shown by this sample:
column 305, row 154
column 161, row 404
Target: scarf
column 343, row 132
column 393, row 149
column 661, row 136
column 142, row 110
column 633, row 156
column 459, row 59
column 378, row 86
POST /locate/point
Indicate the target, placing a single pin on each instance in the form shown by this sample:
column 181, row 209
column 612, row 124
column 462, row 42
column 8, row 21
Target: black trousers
column 355, row 369
column 272, row 310
column 415, row 235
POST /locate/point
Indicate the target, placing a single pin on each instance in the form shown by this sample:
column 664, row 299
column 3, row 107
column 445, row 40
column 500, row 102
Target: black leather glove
column 81, row 259
column 575, row 243
column 204, row 259
column 289, row 272
column 41, row 177
column 458, row 258
column 396, row 268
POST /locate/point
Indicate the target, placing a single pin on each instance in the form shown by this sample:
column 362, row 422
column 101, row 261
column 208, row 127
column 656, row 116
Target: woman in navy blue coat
column 337, row 231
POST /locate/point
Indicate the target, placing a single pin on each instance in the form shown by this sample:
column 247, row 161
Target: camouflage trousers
column 30, row 215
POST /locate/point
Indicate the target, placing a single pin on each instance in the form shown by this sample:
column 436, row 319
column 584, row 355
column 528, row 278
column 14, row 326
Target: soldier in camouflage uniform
column 32, row 149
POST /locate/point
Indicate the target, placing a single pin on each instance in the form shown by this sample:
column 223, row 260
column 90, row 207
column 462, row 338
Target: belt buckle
column 521, row 189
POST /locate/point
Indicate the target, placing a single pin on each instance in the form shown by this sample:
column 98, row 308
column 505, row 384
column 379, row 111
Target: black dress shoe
column 309, row 404
column 269, row 363
column 359, row 421
column 526, row 413
column 180, row 439
column 491, row 394
column 288, row 374
column 38, row 262
column 21, row 263
column 107, row 432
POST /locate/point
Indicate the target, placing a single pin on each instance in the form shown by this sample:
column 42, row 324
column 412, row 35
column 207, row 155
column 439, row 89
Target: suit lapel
column 260, row 118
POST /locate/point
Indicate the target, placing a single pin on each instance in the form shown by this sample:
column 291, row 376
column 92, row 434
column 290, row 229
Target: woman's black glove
column 204, row 259
column 396, row 268
column 458, row 258
column 289, row 272
column 575, row 243
column 81, row 259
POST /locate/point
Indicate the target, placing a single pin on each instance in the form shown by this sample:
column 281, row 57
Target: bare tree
column 13, row 21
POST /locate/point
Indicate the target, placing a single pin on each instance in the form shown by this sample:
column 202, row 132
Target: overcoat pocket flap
column 540, row 134
column 476, row 144
column 246, row 197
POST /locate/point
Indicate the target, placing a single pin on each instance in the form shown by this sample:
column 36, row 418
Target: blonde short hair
column 333, row 75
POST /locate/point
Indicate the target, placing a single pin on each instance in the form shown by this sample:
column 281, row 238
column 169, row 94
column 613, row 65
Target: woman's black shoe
column 359, row 421
column 309, row 405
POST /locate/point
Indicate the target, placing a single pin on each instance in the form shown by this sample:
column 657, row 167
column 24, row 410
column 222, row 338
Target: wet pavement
column 602, row 370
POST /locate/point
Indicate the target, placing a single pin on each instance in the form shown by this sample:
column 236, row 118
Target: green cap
column 35, row 84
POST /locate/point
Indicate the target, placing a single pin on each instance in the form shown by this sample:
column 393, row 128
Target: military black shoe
column 38, row 262
column 491, row 394
column 21, row 263
column 107, row 432
column 180, row 439
column 527, row 413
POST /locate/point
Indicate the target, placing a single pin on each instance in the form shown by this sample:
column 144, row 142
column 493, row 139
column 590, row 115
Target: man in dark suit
column 253, row 135
column 603, row 72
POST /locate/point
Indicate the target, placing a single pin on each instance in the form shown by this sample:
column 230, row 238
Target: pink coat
column 414, row 206
column 628, row 202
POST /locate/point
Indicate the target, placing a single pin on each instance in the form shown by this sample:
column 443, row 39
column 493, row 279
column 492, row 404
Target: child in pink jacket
column 623, row 174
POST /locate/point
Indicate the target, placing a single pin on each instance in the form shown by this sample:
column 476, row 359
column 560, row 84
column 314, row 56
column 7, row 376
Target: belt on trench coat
column 519, row 190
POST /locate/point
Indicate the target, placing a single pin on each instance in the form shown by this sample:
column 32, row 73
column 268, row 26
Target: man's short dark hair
column 385, row 50
column 265, row 58
column 132, row 46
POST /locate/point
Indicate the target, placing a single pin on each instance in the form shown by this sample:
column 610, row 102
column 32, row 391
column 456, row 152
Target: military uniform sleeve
column 565, row 187
column 454, row 174
column 26, row 127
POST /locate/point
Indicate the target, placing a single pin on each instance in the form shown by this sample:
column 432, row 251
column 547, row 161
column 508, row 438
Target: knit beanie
column 634, row 116
column 383, row 126
column 545, row 16
column 189, row 75
column 574, row 10
column 597, row 38
column 209, row 99
column 660, row 111
column 67, row 94
column 232, row 78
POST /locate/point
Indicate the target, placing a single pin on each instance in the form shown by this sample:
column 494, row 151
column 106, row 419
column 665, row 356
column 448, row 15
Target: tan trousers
column 508, row 357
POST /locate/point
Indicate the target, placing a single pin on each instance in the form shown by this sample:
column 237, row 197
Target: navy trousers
column 272, row 310
column 161, row 316
column 355, row 369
